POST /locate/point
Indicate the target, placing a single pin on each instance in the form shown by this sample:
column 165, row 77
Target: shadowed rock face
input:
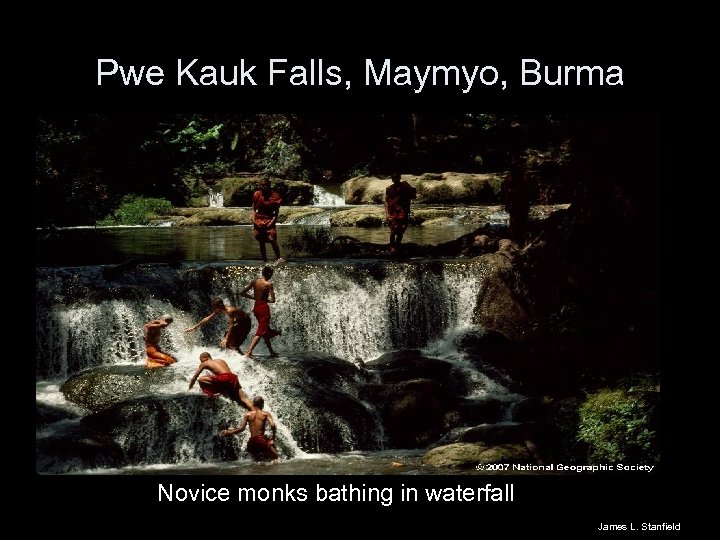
column 76, row 449
column 419, row 399
column 170, row 429
column 499, row 307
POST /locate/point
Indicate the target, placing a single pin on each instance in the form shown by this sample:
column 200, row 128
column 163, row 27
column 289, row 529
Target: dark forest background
column 85, row 164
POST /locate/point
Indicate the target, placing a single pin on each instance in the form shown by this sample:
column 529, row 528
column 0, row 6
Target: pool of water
column 112, row 245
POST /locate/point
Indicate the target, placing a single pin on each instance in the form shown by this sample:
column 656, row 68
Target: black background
column 63, row 79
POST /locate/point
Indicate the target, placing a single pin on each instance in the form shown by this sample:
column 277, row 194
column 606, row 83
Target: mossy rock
column 100, row 387
column 455, row 456
column 432, row 188
column 358, row 217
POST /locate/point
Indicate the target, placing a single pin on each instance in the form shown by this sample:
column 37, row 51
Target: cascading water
column 334, row 317
column 354, row 312
column 321, row 197
column 215, row 196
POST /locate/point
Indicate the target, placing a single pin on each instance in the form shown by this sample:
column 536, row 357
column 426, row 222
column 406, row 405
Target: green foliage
column 310, row 241
column 136, row 210
column 563, row 417
column 618, row 425
column 70, row 182
column 86, row 163
column 212, row 169
column 283, row 150
column 194, row 138
column 361, row 169
column 280, row 157
column 191, row 145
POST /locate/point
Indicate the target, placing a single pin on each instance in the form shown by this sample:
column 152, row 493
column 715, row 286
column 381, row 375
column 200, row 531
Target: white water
column 322, row 198
column 355, row 312
column 215, row 196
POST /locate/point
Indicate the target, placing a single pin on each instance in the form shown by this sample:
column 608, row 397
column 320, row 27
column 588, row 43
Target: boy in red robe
column 397, row 209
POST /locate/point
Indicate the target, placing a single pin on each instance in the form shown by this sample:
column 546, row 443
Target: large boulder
column 470, row 455
column 46, row 414
column 420, row 398
column 499, row 306
column 171, row 428
column 506, row 453
column 100, row 387
column 412, row 412
column 214, row 216
column 405, row 365
column 441, row 188
column 455, row 456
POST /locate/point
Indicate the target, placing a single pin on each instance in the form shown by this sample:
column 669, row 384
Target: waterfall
column 352, row 311
column 322, row 198
column 215, row 196
column 98, row 407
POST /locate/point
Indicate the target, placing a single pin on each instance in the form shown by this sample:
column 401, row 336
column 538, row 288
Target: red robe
column 265, row 210
column 262, row 314
column 226, row 384
column 397, row 199
column 259, row 446
column 237, row 333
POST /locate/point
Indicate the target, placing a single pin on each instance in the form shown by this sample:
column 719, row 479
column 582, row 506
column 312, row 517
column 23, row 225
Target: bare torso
column 262, row 289
column 217, row 366
column 256, row 421
column 152, row 335
column 234, row 314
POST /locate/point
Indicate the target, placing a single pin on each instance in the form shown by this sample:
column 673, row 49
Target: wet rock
column 499, row 307
column 359, row 217
column 476, row 411
column 238, row 191
column 171, row 429
column 531, row 409
column 99, row 387
column 455, row 456
column 468, row 455
column 76, row 449
column 506, row 453
column 413, row 412
column 48, row 414
column 443, row 188
column 411, row 364
column 492, row 434
column 419, row 398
